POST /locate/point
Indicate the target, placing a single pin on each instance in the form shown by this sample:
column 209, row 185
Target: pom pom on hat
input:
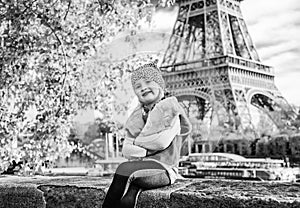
column 148, row 71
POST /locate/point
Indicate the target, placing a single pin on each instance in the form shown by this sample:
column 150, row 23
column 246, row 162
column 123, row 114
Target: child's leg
column 130, row 198
column 115, row 191
column 141, row 180
column 150, row 178
column 118, row 185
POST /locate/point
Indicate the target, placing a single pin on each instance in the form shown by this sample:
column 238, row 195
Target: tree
column 46, row 46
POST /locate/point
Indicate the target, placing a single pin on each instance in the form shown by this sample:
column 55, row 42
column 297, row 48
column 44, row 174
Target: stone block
column 21, row 196
column 72, row 196
column 89, row 192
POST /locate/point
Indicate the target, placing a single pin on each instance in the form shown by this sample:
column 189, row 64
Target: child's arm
column 161, row 117
column 129, row 150
column 161, row 140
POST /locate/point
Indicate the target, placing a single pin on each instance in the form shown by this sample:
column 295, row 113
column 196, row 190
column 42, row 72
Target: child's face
column 147, row 91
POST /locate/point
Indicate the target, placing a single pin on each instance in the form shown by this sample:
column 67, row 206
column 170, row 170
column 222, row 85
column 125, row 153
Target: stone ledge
column 88, row 192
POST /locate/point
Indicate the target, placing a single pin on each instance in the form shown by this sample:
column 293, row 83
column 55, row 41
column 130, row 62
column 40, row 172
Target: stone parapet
column 88, row 192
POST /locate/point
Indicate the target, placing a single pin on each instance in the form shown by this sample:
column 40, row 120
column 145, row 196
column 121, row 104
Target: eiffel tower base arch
column 219, row 105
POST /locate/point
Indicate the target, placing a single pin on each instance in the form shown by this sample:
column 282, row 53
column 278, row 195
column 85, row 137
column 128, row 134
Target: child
column 155, row 131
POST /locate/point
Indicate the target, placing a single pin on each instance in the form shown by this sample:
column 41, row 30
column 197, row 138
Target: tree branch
column 69, row 5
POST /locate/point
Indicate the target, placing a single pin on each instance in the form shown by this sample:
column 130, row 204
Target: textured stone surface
column 223, row 194
column 88, row 192
column 18, row 196
column 72, row 196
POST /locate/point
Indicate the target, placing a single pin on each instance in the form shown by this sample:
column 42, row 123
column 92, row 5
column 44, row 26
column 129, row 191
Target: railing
column 228, row 60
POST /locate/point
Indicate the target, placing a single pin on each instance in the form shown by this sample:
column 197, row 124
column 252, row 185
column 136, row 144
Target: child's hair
column 149, row 71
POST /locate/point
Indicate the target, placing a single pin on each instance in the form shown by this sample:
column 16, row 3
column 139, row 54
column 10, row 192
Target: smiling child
column 154, row 134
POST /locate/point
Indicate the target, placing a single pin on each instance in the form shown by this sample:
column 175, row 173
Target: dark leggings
column 130, row 178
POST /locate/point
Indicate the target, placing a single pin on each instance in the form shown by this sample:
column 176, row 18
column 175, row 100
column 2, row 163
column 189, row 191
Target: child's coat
column 162, row 118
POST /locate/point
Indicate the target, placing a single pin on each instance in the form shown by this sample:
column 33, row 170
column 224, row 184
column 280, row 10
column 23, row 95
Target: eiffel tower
column 212, row 61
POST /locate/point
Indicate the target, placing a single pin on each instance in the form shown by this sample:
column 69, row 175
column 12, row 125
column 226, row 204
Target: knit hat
column 148, row 71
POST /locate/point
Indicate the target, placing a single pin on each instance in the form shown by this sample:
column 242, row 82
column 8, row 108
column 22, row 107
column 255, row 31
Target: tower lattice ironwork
column 212, row 58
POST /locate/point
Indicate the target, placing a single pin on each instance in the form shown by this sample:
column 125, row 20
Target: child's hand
column 130, row 150
column 129, row 140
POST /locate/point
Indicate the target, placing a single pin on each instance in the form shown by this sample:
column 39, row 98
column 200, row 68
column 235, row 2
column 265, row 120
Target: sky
column 274, row 26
